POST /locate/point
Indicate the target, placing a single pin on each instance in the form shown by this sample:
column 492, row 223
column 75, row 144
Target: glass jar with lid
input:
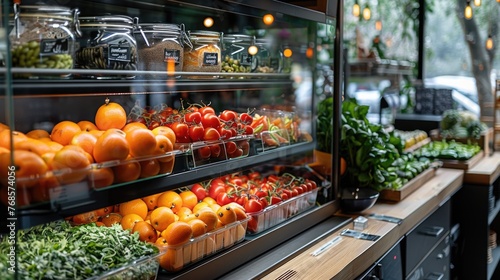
column 238, row 52
column 43, row 37
column 205, row 53
column 161, row 43
column 269, row 57
column 107, row 43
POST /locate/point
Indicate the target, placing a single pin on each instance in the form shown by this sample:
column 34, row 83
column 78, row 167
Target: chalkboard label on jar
column 246, row 59
column 274, row 63
column 119, row 53
column 210, row 59
column 174, row 55
column 54, row 46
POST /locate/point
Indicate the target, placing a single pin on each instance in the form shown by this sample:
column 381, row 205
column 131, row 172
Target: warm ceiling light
column 489, row 43
column 468, row 10
column 268, row 19
column 287, row 52
column 378, row 25
column 367, row 13
column 356, row 9
column 477, row 3
column 309, row 52
column 208, row 22
column 252, row 50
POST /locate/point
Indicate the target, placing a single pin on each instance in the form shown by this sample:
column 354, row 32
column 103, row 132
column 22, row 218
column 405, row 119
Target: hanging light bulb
column 489, row 42
column 477, row 3
column 468, row 10
column 378, row 25
column 356, row 9
column 367, row 13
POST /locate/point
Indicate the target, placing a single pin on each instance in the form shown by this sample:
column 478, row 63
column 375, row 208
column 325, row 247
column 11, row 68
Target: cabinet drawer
column 436, row 266
column 425, row 236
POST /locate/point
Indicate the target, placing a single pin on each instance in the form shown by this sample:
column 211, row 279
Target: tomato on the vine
column 224, row 198
column 230, row 147
column 204, row 152
column 199, row 191
column 216, row 186
column 196, row 132
column 245, row 118
column 228, row 116
column 242, row 199
column 192, row 117
column 211, row 134
column 206, row 110
column 180, row 129
column 244, row 146
column 253, row 205
column 237, row 153
column 215, row 150
column 210, row 120
column 225, row 133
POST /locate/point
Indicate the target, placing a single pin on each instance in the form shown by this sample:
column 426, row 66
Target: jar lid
column 107, row 21
column 204, row 33
column 160, row 28
column 238, row 38
column 46, row 11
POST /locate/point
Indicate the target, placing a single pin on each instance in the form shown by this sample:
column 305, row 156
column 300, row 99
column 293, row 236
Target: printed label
column 246, row 59
column 54, row 46
column 119, row 53
column 174, row 55
column 210, row 59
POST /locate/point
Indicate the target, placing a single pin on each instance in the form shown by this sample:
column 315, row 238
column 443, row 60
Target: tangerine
column 142, row 142
column 5, row 137
column 161, row 241
column 86, row 125
column 163, row 147
column 111, row 145
column 38, row 134
column 54, row 146
column 226, row 215
column 84, row 218
column 146, row 231
column 64, row 131
column 127, row 171
column 161, row 218
column 110, row 115
column 101, row 212
column 33, row 145
column 177, row 233
column 28, row 166
column 149, row 168
column 198, row 227
column 133, row 125
column 128, row 221
column 101, row 177
column 209, row 217
column 134, row 206
column 111, row 218
column 85, row 140
column 189, row 199
column 166, row 131
column 170, row 199
column 73, row 158
column 151, row 201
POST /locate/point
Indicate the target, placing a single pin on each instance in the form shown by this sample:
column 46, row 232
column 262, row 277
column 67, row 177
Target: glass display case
column 82, row 59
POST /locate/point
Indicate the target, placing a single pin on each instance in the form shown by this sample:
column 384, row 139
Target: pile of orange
column 169, row 219
column 64, row 156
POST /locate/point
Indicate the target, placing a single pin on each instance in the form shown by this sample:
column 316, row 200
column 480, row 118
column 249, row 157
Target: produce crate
column 463, row 164
column 408, row 188
column 278, row 213
column 145, row 268
column 203, row 246
column 485, row 141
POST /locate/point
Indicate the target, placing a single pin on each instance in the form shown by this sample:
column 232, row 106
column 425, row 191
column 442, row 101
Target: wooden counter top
column 485, row 172
column 350, row 257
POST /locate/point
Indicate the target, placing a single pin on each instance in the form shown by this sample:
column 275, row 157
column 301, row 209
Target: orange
column 74, row 161
column 45, row 190
column 142, row 142
column 5, row 137
column 4, row 150
column 149, row 168
column 215, row 207
column 86, row 125
column 184, row 211
column 133, row 125
column 209, row 217
column 80, row 150
column 343, row 165
column 84, row 218
column 111, row 145
column 177, row 233
column 161, row 218
column 198, row 227
column 101, row 177
column 101, row 212
column 166, row 167
column 170, row 199
column 54, row 146
column 48, row 158
column 172, row 260
column 127, row 171
column 185, row 217
column 239, row 210
column 189, row 199
column 38, row 133
column 28, row 165
column 209, row 200
column 226, row 215
column 97, row 132
column 3, row 126
column 128, row 221
column 33, row 145
column 146, row 231
column 64, row 131
column 199, row 206
column 134, row 206
column 161, row 241
column 111, row 218
column 110, row 115
column 163, row 147
column 151, row 201
column 85, row 140
column 165, row 130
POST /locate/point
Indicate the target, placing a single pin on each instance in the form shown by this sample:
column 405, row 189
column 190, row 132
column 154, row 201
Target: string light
column 489, row 42
column 208, row 22
column 268, row 19
column 468, row 10
column 367, row 13
column 477, row 3
column 356, row 9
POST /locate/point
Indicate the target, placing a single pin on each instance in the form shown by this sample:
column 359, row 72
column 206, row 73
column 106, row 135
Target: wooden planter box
column 485, row 141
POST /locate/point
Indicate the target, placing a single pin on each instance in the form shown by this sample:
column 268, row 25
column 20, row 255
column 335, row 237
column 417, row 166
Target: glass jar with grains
column 205, row 55
column 238, row 53
column 43, row 37
column 107, row 43
column 161, row 46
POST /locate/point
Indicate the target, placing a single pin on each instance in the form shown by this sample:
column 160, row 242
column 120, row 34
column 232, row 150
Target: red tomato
column 275, row 200
column 235, row 154
column 245, row 118
column 313, row 183
column 241, row 200
column 215, row 150
column 206, row 110
column 199, row 191
column 204, row 152
column 264, row 201
column 196, row 132
column 225, row 133
column 228, row 116
column 211, row 134
column 248, row 130
column 230, row 147
column 244, row 146
column 180, row 129
column 210, row 120
column 193, row 117
column 216, row 186
column 253, row 205
column 224, row 198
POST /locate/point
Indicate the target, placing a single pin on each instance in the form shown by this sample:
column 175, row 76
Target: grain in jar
column 205, row 55
column 43, row 37
column 107, row 43
column 160, row 44
column 237, row 53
